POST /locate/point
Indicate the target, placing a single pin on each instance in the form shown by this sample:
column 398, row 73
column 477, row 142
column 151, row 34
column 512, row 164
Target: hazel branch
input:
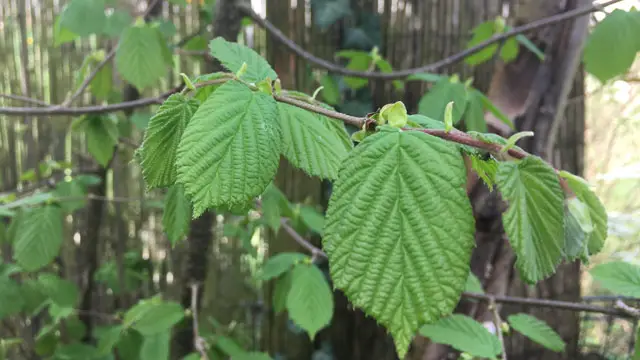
column 400, row 74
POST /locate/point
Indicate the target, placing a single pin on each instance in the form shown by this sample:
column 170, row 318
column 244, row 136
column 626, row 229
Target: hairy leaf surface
column 177, row 214
column 140, row 56
column 230, row 150
column 465, row 334
column 534, row 220
column 537, row 330
column 311, row 143
column 597, row 211
column 158, row 151
column 38, row 238
column 399, row 230
column 309, row 301
column 233, row 55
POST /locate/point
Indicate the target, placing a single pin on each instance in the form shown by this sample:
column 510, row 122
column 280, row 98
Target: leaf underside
column 399, row 230
column 158, row 151
column 534, row 220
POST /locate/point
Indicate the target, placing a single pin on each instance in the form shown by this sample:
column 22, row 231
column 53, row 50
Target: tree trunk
column 546, row 86
column 227, row 25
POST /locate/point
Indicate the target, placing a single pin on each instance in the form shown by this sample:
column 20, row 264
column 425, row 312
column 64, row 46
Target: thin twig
column 84, row 110
column 87, row 80
column 198, row 342
column 553, row 304
column 497, row 321
column 24, row 99
column 315, row 252
column 626, row 308
column 338, row 69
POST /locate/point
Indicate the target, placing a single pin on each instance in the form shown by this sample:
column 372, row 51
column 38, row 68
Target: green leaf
column 311, row 142
column 597, row 211
column 176, row 216
column 281, row 292
column 312, row 219
column 130, row 345
column 529, row 45
column 33, row 296
column 203, row 92
column 11, row 301
column 61, row 34
column 509, row 50
column 331, row 91
column 425, row 122
column 279, row 264
column 494, row 110
column 65, row 190
column 108, row 340
column 197, row 43
column 84, row 17
column 534, row 220
column 428, row 77
column 398, row 208
column 102, row 137
column 619, row 277
column 140, row 57
column 310, row 301
column 141, row 119
column 252, row 356
column 385, row 67
column 481, row 33
column 230, row 150
column 537, row 330
column 62, row 292
column 464, row 334
column 433, row 104
column 612, row 46
column 273, row 201
column 227, row 345
column 359, row 62
column 473, row 284
column 394, row 114
column 102, row 84
column 575, row 239
column 486, row 169
column 116, row 23
column 233, row 55
column 474, row 114
column 38, row 238
column 160, row 144
column 75, row 351
column 156, row 346
column 151, row 317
